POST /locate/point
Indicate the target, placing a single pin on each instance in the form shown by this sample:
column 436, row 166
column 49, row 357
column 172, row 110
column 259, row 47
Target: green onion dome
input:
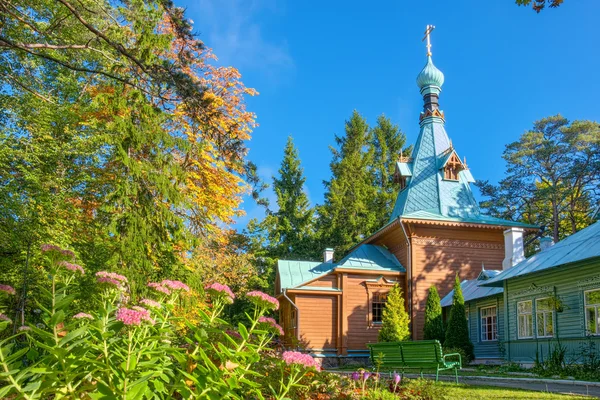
column 430, row 75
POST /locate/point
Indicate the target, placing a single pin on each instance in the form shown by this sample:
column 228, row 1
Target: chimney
column 328, row 255
column 545, row 242
column 514, row 250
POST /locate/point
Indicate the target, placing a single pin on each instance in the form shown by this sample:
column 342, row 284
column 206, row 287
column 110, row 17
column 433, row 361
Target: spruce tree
column 457, row 331
column 434, row 326
column 347, row 215
column 388, row 144
column 395, row 319
column 291, row 226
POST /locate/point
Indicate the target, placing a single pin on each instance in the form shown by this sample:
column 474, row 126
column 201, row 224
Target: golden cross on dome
column 428, row 31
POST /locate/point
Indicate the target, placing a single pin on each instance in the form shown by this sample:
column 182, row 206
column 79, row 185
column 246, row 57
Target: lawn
column 490, row 392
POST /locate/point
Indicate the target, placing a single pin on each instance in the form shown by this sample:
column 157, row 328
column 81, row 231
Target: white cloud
column 233, row 30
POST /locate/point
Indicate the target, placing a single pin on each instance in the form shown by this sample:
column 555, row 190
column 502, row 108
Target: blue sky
column 315, row 62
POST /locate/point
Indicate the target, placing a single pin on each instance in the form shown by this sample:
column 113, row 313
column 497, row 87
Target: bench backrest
column 422, row 353
column 387, row 353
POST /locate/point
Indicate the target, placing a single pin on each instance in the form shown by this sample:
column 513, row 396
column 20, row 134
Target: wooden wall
column 318, row 321
column 437, row 254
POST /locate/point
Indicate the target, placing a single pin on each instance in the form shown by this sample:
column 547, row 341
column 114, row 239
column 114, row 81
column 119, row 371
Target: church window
column 489, row 324
column 544, row 317
column 452, row 168
column 525, row 319
column 592, row 311
column 377, row 306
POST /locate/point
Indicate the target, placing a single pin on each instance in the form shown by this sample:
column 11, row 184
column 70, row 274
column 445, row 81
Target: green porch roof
column 365, row 257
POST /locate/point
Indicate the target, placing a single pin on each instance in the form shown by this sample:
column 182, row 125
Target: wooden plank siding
column 327, row 281
column 437, row 253
column 569, row 284
column 318, row 321
column 486, row 349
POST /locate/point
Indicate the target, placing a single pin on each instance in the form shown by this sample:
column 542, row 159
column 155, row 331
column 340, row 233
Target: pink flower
column 263, row 299
column 175, row 285
column 111, row 278
column 133, row 316
column 5, row 318
column 50, row 247
column 218, row 289
column 68, row 253
column 7, row 289
column 72, row 267
column 272, row 323
column 82, row 315
column 150, row 303
column 159, row 288
column 294, row 357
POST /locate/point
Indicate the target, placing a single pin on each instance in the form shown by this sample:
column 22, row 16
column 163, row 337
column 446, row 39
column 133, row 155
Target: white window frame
column 596, row 308
column 494, row 324
column 382, row 299
column 519, row 320
column 544, row 317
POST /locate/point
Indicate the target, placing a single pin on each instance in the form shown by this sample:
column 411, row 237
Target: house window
column 377, row 305
column 489, row 324
column 525, row 319
column 544, row 317
column 592, row 311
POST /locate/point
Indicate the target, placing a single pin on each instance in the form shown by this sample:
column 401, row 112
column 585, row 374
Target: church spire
column 430, row 80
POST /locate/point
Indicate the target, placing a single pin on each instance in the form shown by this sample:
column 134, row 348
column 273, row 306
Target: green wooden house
column 485, row 315
column 552, row 298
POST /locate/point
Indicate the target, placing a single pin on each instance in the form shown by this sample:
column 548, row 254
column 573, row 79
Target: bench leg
column 437, row 372
column 421, row 373
column 456, row 374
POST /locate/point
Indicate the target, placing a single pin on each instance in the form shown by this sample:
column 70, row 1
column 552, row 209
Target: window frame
column 493, row 324
column 382, row 303
column 530, row 314
column 596, row 308
column 544, row 313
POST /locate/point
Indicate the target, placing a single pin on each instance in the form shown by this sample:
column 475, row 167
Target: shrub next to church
column 457, row 331
column 395, row 318
column 434, row 326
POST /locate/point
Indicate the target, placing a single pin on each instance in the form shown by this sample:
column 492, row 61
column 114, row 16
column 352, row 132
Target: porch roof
column 471, row 289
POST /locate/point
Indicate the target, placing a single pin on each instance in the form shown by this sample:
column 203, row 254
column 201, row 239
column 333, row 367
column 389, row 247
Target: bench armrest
column 453, row 355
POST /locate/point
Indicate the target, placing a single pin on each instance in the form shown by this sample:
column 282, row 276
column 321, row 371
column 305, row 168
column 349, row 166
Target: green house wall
column 569, row 284
column 486, row 350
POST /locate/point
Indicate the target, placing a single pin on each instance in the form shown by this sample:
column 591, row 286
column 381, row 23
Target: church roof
column 580, row 246
column 428, row 195
column 471, row 289
column 365, row 257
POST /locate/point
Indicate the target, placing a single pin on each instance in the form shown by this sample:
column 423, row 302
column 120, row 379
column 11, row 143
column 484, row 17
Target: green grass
column 467, row 392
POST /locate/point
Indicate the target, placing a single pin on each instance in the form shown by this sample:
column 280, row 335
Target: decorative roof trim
column 429, row 113
column 366, row 271
column 417, row 221
column 315, row 291
column 457, row 243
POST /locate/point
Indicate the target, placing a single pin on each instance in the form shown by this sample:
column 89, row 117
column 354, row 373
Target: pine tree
column 388, row 143
column 395, row 319
column 291, row 226
column 434, row 326
column 457, row 331
column 347, row 215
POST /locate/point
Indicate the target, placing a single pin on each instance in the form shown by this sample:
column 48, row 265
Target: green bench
column 422, row 354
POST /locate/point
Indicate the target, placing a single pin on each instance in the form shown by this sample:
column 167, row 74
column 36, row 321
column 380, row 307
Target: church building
column 435, row 230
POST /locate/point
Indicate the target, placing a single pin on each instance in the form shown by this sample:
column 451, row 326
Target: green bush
column 457, row 331
column 434, row 325
column 395, row 318
column 466, row 358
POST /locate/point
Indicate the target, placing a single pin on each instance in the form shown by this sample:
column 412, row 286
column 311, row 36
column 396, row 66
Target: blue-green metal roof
column 472, row 290
column 405, row 169
column 365, row 257
column 373, row 258
column 295, row 273
column 430, row 75
column 580, row 246
column 427, row 191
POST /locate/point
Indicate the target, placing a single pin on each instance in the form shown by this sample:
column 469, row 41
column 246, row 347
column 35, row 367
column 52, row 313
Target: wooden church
column 436, row 230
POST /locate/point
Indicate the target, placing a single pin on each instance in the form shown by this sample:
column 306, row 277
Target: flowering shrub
column 129, row 349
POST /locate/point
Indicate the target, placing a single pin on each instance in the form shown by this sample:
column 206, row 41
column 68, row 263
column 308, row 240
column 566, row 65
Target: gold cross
column 428, row 31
